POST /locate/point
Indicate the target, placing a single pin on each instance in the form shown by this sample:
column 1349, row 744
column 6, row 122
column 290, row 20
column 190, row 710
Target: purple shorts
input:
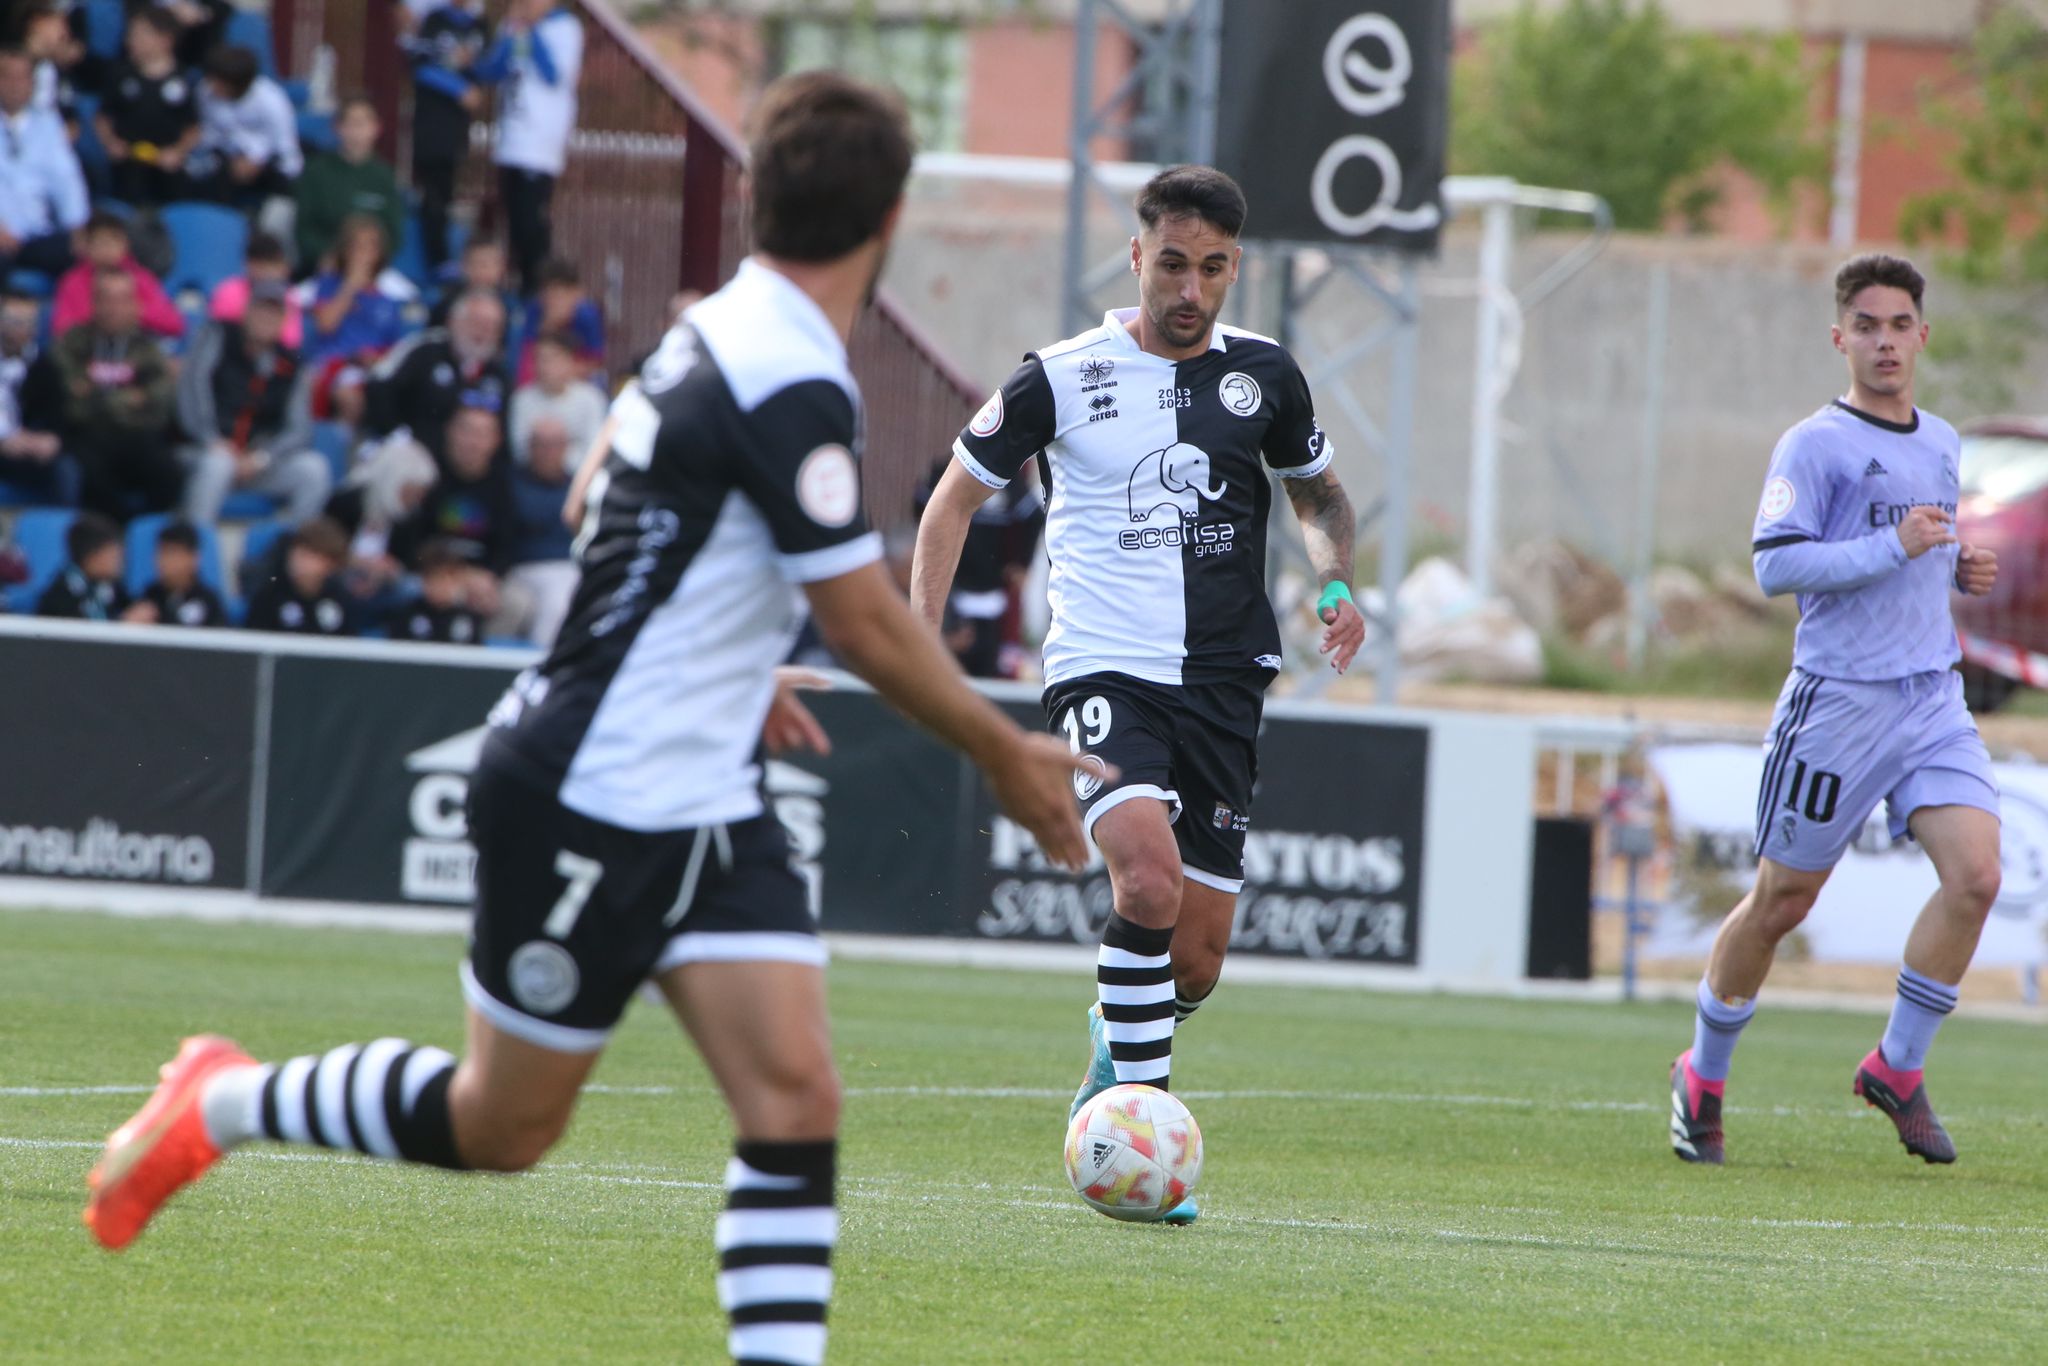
column 1837, row 748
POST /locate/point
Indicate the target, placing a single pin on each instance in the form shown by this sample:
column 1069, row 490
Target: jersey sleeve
column 1796, row 494
column 804, row 477
column 1016, row 423
column 1295, row 446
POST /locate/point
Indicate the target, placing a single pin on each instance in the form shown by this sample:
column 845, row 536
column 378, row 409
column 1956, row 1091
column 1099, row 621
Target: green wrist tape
column 1334, row 592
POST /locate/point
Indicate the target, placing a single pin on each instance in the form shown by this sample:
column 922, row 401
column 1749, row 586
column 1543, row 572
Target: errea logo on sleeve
column 1779, row 498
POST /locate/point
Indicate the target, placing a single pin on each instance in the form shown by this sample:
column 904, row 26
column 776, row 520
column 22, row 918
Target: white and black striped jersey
column 1157, row 495
column 733, row 477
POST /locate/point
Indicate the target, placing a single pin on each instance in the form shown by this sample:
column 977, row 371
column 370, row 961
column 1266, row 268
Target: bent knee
column 1975, row 888
column 1781, row 909
column 511, row 1148
column 1148, row 893
column 793, row 1103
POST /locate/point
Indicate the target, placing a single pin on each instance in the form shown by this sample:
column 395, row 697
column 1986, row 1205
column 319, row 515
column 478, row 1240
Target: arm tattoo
column 1326, row 525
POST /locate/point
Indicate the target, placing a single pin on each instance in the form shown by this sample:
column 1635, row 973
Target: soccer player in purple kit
column 1857, row 518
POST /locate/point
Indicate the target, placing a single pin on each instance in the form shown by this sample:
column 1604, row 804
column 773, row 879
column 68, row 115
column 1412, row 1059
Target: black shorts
column 1192, row 746
column 574, row 914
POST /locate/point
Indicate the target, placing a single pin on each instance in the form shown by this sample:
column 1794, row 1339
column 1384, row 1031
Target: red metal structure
column 651, row 204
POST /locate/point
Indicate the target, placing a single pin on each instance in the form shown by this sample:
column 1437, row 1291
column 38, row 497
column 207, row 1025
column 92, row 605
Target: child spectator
column 63, row 65
column 349, row 180
column 177, row 597
column 32, row 456
column 248, row 148
column 482, row 270
column 562, row 307
column 266, row 262
column 201, row 26
column 240, row 398
column 107, row 247
column 444, row 43
column 307, row 599
column 543, row 577
column 355, row 319
column 89, row 588
column 119, row 389
column 441, row 612
column 471, row 504
column 42, row 191
column 558, row 397
column 148, row 119
column 538, row 59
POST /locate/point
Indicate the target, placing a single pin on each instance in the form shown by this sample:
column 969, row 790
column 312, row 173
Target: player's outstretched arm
column 1792, row 563
column 1327, row 528
column 872, row 631
column 940, row 534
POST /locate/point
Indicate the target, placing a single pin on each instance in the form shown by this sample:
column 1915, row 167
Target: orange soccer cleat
column 163, row 1147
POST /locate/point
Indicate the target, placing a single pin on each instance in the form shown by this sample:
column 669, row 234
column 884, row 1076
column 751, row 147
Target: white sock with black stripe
column 775, row 1242
column 1184, row 1006
column 387, row 1099
column 1134, row 983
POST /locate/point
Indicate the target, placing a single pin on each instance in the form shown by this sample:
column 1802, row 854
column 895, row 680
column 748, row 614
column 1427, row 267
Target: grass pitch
column 1389, row 1178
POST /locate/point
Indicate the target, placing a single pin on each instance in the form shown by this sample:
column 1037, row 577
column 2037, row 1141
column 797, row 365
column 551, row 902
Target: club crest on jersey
column 543, row 976
column 1240, row 394
column 1779, row 496
column 828, row 486
column 1088, row 778
column 989, row 420
column 1096, row 369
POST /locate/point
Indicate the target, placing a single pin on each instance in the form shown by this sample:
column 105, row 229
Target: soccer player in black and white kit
column 1157, row 432
column 616, row 811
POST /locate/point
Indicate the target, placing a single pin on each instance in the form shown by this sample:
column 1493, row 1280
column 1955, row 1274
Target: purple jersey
column 1840, row 484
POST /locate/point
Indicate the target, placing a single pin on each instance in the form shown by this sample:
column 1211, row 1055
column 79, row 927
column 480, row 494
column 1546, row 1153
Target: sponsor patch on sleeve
column 828, row 486
column 989, row 420
column 1779, row 496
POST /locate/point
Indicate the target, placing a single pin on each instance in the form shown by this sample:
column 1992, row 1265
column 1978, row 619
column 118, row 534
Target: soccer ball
column 1134, row 1152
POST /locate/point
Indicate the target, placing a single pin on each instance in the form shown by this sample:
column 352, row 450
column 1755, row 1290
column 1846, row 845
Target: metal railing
column 651, row 203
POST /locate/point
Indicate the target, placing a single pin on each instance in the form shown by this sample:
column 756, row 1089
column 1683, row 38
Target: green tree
column 1992, row 219
column 1612, row 97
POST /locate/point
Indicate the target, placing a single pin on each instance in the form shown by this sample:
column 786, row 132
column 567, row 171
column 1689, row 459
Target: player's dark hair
column 235, row 67
column 828, row 162
column 14, row 52
column 265, row 246
column 1875, row 268
column 89, row 534
column 156, row 17
column 180, row 533
column 324, row 537
column 1203, row 192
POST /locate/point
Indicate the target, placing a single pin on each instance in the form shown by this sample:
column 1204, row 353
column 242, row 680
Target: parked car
column 2004, row 508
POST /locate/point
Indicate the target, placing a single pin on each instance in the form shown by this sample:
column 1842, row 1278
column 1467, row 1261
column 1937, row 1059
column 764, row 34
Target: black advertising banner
column 369, row 773
column 126, row 763
column 1333, row 115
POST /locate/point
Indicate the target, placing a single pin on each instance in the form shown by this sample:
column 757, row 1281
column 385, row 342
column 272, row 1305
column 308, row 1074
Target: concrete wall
column 1747, row 355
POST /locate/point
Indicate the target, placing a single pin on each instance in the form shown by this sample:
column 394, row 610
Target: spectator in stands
column 178, row 597
column 201, row 26
column 42, row 191
column 543, row 576
column 241, row 400
column 471, row 504
column 248, row 148
column 354, row 315
column 89, row 588
column 536, row 60
column 444, row 41
column 441, row 611
column 561, row 306
column 63, row 65
column 107, row 248
column 148, row 119
column 308, row 598
column 265, row 262
column 32, row 456
column 483, row 268
column 558, row 399
column 421, row 383
column 119, row 392
column 352, row 179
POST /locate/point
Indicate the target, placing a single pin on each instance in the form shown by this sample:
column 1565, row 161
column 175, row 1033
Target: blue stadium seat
column 411, row 261
column 258, row 540
column 142, row 534
column 331, row 439
column 33, row 283
column 106, row 26
column 316, row 132
column 39, row 536
column 247, row 506
column 252, row 31
column 92, row 153
column 299, row 92
column 208, row 242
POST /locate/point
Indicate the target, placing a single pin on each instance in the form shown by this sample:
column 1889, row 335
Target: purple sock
column 1715, row 1031
column 1922, row 1005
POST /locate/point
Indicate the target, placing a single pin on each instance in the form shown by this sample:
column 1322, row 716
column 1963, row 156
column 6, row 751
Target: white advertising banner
column 1880, row 885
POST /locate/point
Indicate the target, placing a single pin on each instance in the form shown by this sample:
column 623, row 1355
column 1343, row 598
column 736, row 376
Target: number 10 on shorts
column 1821, row 791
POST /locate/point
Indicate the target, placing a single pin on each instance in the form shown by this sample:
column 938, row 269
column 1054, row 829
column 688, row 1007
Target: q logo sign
column 1364, row 90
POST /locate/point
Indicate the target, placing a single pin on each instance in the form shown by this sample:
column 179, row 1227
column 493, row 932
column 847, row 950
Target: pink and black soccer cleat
column 163, row 1148
column 1903, row 1096
column 1695, row 1114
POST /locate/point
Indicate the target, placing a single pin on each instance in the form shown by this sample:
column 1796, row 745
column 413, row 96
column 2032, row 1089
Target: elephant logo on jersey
column 1176, row 478
column 1240, row 394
